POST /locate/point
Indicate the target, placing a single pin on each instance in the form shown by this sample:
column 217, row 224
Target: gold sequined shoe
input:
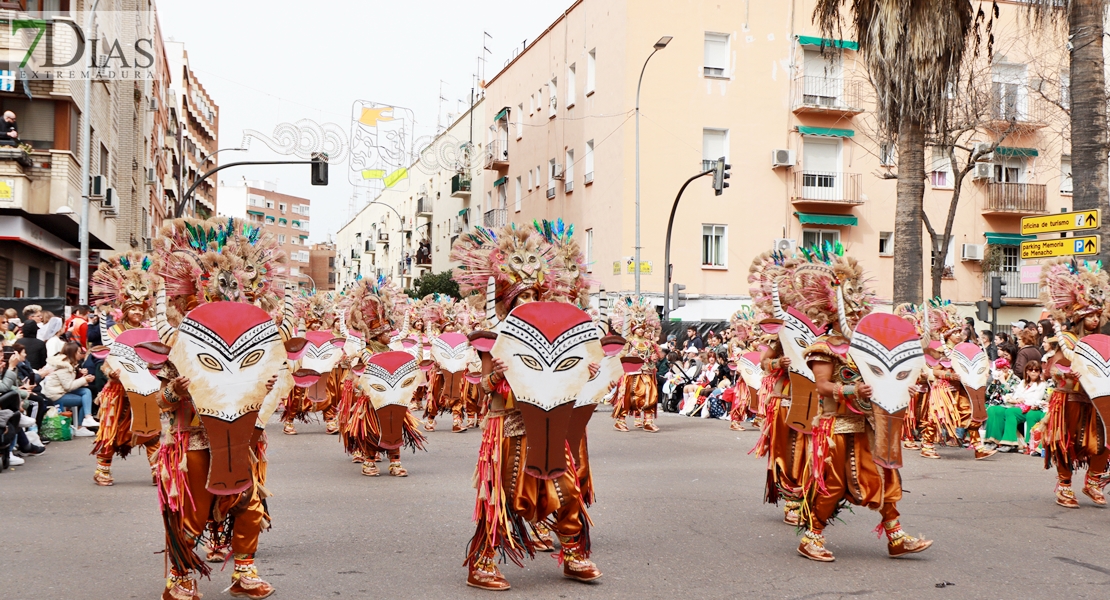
column 1092, row 488
column 289, row 429
column 103, row 476
column 620, row 425
column 485, row 575
column 471, row 422
column 736, row 426
column 369, row 469
column 928, row 451
column 813, row 547
column 983, row 452
column 900, row 543
column 245, row 583
column 1065, row 496
column 181, row 588
column 357, row 457
column 331, row 427
column 911, row 445
column 638, row 422
column 430, row 425
column 457, row 425
column 396, row 470
column 650, row 426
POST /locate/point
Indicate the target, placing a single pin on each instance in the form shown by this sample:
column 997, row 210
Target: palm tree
column 913, row 50
column 1087, row 102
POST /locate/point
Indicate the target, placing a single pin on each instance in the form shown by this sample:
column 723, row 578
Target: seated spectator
column 1022, row 410
column 11, row 400
column 68, row 386
column 35, row 348
column 32, row 312
column 51, row 325
column 9, row 134
column 1029, row 350
column 34, row 404
column 1002, row 382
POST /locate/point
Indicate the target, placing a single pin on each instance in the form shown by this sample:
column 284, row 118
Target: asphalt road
column 679, row 514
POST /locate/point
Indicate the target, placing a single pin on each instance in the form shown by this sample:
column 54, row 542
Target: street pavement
column 679, row 515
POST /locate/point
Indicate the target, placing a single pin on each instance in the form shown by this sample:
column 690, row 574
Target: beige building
column 285, row 216
column 198, row 131
column 321, row 265
column 747, row 81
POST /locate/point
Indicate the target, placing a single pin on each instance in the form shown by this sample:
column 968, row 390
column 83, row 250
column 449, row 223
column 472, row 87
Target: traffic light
column 319, row 168
column 981, row 308
column 998, row 292
column 677, row 301
column 720, row 174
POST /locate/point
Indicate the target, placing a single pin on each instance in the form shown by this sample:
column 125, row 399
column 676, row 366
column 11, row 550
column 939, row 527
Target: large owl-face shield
column 389, row 381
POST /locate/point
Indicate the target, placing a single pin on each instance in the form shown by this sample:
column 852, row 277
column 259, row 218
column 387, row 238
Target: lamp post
column 181, row 174
column 86, row 151
column 662, row 43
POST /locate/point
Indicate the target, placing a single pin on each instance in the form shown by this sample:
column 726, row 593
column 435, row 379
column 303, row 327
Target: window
column 269, row 220
column 1065, row 90
column 949, row 259
column 501, row 196
column 1065, row 175
column 714, row 246
column 520, row 120
column 588, row 162
column 254, row 200
column 591, row 71
column 940, row 170
column 104, row 160
column 886, row 243
column 36, row 122
column 1011, row 259
column 551, row 173
column 1009, row 169
column 716, row 55
column 589, row 250
column 714, row 144
column 886, row 154
column 818, row 237
column 570, row 85
column 529, row 180
column 823, row 83
column 568, row 172
column 270, row 204
column 281, row 207
column 1008, row 91
column 281, row 238
column 518, row 192
column 304, row 209
column 553, row 97
column 33, row 282
column 294, row 271
column 531, row 105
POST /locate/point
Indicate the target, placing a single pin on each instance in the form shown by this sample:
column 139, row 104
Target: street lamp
column 662, row 43
column 181, row 173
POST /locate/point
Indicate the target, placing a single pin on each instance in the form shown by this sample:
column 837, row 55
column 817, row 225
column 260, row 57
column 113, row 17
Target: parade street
column 679, row 514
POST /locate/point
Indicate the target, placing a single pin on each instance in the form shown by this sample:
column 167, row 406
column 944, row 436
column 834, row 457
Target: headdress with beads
column 1072, row 290
column 569, row 262
column 517, row 258
column 126, row 280
column 374, row 306
column 830, row 288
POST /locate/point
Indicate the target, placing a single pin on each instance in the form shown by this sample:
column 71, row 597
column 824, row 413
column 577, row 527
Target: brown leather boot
column 1065, row 496
column 812, row 547
column 620, row 425
column 929, row 451
column 1092, row 487
column 900, row 543
column 485, row 575
column 289, row 429
column 103, row 476
column 181, row 588
column 575, row 564
column 649, row 425
column 545, row 542
column 245, row 583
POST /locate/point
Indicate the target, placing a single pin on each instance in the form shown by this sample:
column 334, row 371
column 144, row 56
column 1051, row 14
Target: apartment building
column 198, row 130
column 287, row 217
column 321, row 265
column 407, row 230
column 749, row 81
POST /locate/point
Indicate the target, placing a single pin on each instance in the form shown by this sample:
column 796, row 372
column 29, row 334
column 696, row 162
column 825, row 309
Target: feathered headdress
column 568, row 260
column 629, row 313
column 1072, row 290
column 517, row 258
column 374, row 305
column 771, row 272
column 745, row 325
column 830, row 288
column 939, row 320
column 316, row 311
column 126, row 280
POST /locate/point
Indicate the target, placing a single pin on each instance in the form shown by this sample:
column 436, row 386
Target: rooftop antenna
column 439, row 112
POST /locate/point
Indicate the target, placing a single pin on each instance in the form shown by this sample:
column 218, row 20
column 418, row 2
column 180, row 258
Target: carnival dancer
column 373, row 306
column 217, row 391
column 125, row 283
column 745, row 402
column 1074, row 436
column 917, row 414
column 316, row 313
column 510, row 266
column 842, row 467
column 942, row 417
column 639, row 391
column 786, row 448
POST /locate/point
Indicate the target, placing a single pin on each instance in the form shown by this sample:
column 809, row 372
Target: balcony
column 1014, row 111
column 827, row 187
column 383, row 237
column 424, row 207
column 1015, row 199
column 1015, row 289
column 827, row 96
column 497, row 155
column 496, row 217
column 460, row 186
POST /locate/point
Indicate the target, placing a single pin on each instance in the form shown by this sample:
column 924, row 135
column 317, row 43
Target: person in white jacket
column 1024, row 407
column 69, row 386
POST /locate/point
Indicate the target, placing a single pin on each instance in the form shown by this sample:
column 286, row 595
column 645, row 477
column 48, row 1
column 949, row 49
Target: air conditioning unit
column 972, row 252
column 550, row 193
column 983, row 149
column 557, row 173
column 153, row 103
column 151, row 176
column 983, row 171
column 785, row 246
column 97, row 185
column 782, row 157
column 110, row 203
column 383, row 237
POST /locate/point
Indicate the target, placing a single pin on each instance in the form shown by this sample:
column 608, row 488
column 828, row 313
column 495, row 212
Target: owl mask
column 971, row 363
column 322, row 354
column 389, row 381
column 134, row 354
column 1091, row 360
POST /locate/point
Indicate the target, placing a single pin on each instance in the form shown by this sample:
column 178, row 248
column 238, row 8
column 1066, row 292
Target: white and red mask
column 548, row 348
column 1091, row 361
column 887, row 351
column 452, row 352
column 389, row 381
column 322, row 353
column 134, row 354
column 971, row 363
column 747, row 366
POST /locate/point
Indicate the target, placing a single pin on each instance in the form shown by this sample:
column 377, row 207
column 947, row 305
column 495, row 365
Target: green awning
column 1020, row 152
column 462, row 213
column 500, row 182
column 269, row 219
column 283, row 221
column 826, row 131
column 255, row 212
column 504, row 113
column 821, row 219
column 303, row 237
column 807, row 40
column 296, row 222
column 1007, row 239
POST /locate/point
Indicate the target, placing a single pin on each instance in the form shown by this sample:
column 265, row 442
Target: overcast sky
column 276, row 61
